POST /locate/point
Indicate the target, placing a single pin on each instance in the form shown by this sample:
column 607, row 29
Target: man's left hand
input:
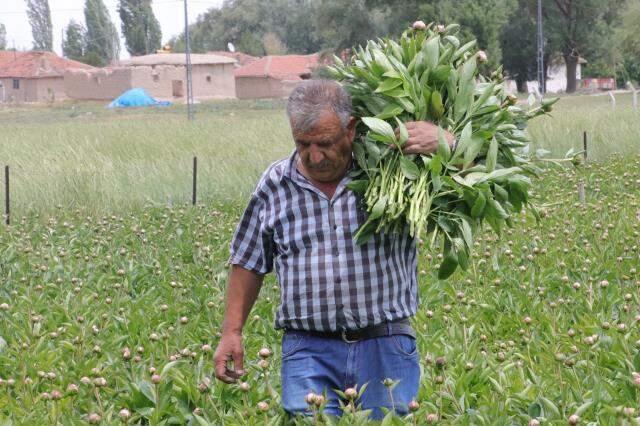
column 423, row 138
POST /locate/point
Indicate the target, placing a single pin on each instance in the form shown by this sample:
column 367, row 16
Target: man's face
column 325, row 150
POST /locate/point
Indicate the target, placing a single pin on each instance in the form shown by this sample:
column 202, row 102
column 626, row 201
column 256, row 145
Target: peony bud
column 264, row 353
column 351, row 393
column 482, row 56
column 124, row 414
column 419, row 25
column 94, row 418
column 310, row 398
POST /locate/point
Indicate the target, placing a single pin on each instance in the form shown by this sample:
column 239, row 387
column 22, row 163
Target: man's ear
column 351, row 128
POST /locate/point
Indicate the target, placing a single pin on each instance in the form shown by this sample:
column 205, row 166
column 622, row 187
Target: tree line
column 97, row 41
column 603, row 32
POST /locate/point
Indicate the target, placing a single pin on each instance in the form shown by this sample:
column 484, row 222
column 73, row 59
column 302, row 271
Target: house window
column 156, row 77
column 16, row 84
column 208, row 79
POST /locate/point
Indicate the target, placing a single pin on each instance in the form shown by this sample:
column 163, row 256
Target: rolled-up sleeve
column 252, row 246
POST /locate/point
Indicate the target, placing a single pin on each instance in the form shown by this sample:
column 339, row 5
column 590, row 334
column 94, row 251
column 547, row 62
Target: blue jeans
column 317, row 364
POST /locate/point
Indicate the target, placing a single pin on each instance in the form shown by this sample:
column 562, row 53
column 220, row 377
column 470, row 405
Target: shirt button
column 338, row 280
column 336, row 252
column 335, row 227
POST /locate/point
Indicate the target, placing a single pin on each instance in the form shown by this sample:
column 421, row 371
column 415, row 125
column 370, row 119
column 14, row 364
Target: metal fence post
column 195, row 180
column 6, row 196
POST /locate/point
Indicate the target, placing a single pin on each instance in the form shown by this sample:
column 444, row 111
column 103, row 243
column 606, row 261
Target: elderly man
column 345, row 307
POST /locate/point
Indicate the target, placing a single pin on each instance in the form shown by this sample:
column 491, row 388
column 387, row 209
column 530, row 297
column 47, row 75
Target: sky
column 170, row 13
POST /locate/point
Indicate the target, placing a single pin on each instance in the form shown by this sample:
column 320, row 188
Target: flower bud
column 351, row 393
column 263, row 406
column 574, row 419
column 482, row 56
column 310, row 398
column 413, row 405
column 419, row 25
column 124, row 414
column 155, row 379
column 94, row 418
column 264, row 353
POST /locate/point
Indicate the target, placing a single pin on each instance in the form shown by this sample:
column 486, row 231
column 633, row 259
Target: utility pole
column 541, row 80
column 188, row 63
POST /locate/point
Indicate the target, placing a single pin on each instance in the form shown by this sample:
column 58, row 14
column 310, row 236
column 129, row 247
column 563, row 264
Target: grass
column 85, row 155
column 111, row 160
column 609, row 131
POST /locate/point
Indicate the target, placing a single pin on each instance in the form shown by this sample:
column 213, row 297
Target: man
column 345, row 308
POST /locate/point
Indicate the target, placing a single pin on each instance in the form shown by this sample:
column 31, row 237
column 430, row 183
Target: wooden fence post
column 613, row 100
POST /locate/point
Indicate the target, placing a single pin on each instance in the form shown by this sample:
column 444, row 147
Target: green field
column 545, row 324
column 87, row 155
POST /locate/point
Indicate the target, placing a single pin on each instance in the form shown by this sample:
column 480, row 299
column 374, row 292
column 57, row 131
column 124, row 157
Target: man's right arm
column 242, row 292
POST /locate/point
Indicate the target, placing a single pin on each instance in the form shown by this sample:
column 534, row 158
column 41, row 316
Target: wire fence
column 7, row 190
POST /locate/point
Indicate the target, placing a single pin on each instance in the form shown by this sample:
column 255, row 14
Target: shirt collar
column 290, row 166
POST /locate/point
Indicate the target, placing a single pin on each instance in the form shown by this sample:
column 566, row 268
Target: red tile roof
column 287, row 67
column 35, row 65
column 241, row 58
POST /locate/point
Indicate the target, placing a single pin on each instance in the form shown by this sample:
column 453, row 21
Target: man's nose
column 315, row 155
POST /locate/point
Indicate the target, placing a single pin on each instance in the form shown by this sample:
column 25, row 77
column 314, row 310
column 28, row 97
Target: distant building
column 556, row 77
column 241, row 58
column 274, row 76
column 34, row 76
column 162, row 75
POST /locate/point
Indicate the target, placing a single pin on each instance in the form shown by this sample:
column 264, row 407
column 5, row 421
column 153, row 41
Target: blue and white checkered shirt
column 327, row 281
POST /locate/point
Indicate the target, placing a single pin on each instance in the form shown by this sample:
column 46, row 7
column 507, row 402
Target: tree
column 273, row 45
column 102, row 41
column 577, row 28
column 73, row 45
column 518, row 43
column 342, row 26
column 39, row 16
column 140, row 27
column 479, row 19
column 628, row 30
column 3, row 37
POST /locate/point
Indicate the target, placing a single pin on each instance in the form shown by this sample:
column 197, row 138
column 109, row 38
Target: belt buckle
column 344, row 337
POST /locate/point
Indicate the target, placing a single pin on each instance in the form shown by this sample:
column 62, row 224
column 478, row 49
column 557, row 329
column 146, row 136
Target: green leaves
column 428, row 75
column 432, row 52
column 436, row 108
column 388, row 85
column 409, row 169
column 380, row 127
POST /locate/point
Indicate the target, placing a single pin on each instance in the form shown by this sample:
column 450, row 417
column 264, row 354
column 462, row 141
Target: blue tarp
column 135, row 98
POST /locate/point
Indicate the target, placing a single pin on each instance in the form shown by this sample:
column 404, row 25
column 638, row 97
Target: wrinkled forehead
column 325, row 125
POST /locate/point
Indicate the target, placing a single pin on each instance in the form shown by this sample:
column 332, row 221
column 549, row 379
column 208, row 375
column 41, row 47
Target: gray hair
column 311, row 97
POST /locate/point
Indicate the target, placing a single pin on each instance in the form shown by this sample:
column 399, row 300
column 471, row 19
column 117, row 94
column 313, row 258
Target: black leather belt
column 402, row 326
